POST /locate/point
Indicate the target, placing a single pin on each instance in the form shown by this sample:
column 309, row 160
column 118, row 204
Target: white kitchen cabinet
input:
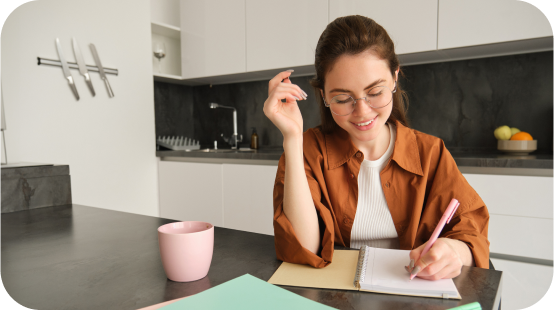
column 520, row 228
column 170, row 65
column 525, row 196
column 477, row 22
column 521, row 236
column 248, row 197
column 213, row 38
column 191, row 192
column 164, row 16
column 283, row 34
column 520, row 209
column 412, row 25
column 236, row 196
column 523, row 284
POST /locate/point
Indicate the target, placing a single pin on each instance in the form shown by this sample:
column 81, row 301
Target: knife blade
column 65, row 68
column 101, row 69
column 82, row 66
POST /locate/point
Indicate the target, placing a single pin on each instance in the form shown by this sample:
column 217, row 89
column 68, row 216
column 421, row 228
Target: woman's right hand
column 285, row 115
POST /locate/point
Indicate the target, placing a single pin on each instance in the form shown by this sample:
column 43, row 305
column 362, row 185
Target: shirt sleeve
column 287, row 246
column 471, row 221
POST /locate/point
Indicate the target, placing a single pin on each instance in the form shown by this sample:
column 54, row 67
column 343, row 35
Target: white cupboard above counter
column 213, row 38
column 283, row 34
column 412, row 25
column 231, row 41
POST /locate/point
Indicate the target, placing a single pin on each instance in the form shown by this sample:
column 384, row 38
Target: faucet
column 235, row 138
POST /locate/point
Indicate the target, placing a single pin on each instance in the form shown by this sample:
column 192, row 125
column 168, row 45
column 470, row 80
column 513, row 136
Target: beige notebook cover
column 341, row 274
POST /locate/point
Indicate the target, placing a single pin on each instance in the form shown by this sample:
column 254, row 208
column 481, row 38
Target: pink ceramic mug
column 186, row 249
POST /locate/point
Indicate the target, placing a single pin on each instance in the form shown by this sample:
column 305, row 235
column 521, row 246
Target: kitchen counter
column 78, row 257
column 469, row 161
column 34, row 185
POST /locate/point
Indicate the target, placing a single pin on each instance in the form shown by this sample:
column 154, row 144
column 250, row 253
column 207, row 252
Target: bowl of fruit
column 514, row 141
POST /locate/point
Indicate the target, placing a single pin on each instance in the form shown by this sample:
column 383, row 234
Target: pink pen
column 446, row 217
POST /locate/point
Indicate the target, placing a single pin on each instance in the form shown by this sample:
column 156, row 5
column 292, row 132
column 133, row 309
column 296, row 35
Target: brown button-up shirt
column 419, row 181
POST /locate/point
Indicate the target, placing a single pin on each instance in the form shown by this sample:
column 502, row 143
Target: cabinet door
column 521, row 236
column 191, row 192
column 477, row 22
column 412, row 25
column 522, row 284
column 283, row 34
column 212, row 38
column 511, row 195
column 248, row 197
column 520, row 210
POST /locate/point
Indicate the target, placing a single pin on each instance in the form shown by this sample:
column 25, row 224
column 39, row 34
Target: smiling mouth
column 366, row 123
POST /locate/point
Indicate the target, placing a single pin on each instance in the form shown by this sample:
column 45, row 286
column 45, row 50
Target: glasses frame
column 356, row 101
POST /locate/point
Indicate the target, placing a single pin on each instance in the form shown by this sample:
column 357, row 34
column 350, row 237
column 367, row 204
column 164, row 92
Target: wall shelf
column 167, row 78
column 171, row 64
column 166, row 30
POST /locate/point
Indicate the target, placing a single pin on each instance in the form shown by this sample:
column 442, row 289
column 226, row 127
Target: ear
column 396, row 74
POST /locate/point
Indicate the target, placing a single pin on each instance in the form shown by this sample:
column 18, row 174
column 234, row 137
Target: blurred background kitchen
column 468, row 67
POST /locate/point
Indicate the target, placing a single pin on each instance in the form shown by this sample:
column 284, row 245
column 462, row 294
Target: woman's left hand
column 443, row 261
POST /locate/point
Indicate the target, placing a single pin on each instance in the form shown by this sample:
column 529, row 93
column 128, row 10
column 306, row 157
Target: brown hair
column 352, row 35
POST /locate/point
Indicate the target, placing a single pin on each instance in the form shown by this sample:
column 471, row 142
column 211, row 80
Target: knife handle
column 110, row 91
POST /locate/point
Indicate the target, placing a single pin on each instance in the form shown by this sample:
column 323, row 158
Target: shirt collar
column 406, row 152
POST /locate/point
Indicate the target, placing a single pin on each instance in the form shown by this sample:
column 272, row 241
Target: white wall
column 109, row 143
column 166, row 11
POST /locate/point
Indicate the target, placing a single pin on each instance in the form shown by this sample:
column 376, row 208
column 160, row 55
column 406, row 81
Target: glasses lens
column 379, row 96
column 342, row 104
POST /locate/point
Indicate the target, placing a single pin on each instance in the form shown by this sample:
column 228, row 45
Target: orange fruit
column 522, row 135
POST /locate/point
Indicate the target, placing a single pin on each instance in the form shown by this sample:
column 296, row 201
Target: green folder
column 246, row 292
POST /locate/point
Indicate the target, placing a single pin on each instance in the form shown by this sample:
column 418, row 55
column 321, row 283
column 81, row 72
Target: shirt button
column 352, row 176
column 387, row 185
column 345, row 221
column 358, row 155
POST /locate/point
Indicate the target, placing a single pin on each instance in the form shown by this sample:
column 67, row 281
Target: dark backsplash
column 462, row 102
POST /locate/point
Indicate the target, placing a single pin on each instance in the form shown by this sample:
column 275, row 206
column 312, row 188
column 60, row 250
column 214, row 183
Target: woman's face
column 355, row 75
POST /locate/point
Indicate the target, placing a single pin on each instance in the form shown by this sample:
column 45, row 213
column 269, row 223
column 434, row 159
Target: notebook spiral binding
column 360, row 269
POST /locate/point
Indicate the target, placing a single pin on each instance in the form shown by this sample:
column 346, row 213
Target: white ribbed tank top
column 373, row 223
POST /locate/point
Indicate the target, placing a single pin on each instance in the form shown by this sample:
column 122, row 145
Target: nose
column 362, row 107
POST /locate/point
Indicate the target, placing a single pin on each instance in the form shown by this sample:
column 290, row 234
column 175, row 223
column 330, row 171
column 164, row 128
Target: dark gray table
column 77, row 257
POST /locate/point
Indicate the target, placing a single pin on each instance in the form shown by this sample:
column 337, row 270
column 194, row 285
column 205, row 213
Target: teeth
column 365, row 124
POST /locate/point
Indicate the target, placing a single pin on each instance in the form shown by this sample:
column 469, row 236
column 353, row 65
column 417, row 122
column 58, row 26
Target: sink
column 220, row 150
column 212, row 151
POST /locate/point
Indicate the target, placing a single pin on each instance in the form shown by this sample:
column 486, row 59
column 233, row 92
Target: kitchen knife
column 101, row 69
column 82, row 66
column 65, row 68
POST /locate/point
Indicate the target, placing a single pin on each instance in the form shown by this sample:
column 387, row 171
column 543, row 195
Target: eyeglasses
column 377, row 97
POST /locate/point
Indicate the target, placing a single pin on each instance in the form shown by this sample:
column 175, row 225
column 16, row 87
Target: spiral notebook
column 369, row 269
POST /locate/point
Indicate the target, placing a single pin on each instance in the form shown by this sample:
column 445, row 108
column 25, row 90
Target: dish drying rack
column 178, row 143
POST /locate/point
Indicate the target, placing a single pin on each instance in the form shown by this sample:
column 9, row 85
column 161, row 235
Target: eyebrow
column 342, row 90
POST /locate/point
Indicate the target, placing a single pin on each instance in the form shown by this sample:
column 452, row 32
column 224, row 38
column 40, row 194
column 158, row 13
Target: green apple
column 514, row 130
column 503, row 133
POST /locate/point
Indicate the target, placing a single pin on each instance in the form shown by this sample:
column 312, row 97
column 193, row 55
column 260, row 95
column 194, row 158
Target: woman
column 363, row 176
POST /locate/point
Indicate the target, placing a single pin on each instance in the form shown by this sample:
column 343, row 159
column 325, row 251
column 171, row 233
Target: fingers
column 433, row 265
column 440, row 262
column 415, row 253
column 279, row 77
column 286, row 91
column 283, row 80
column 295, row 89
column 447, row 272
column 287, row 79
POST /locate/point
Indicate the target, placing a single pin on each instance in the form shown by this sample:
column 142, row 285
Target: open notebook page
column 385, row 273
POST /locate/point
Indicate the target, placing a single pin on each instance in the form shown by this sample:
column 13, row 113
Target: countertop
column 464, row 158
column 78, row 257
